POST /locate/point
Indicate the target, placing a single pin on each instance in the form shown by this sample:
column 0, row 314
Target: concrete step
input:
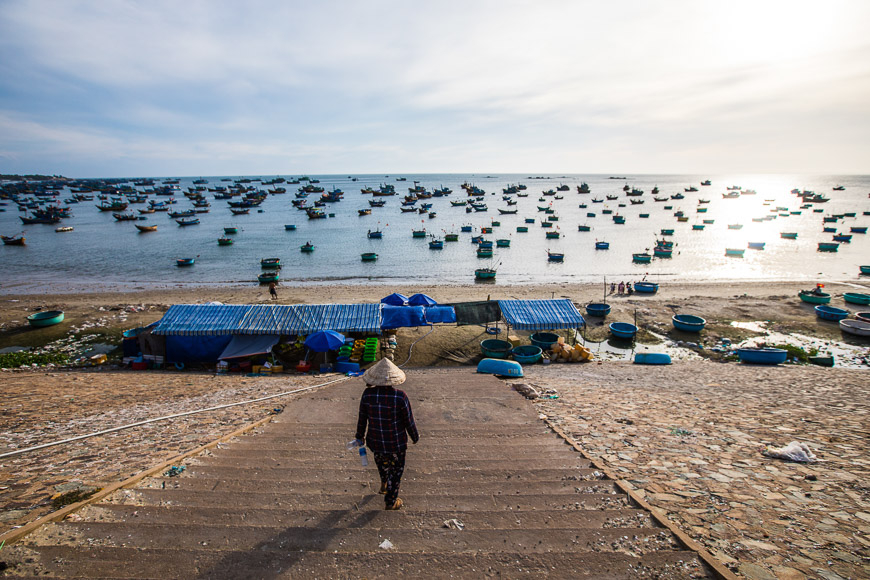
column 410, row 485
column 467, row 446
column 366, row 500
column 422, row 452
column 412, row 472
column 473, row 520
column 279, row 430
column 107, row 562
column 350, row 462
column 342, row 540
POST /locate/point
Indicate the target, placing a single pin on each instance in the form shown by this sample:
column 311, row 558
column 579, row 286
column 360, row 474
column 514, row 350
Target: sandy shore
column 687, row 435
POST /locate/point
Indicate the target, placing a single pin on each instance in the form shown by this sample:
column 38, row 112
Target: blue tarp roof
column 410, row 316
column 232, row 319
column 541, row 314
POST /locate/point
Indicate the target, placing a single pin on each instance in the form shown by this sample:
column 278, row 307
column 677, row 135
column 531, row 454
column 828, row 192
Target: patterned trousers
column 390, row 468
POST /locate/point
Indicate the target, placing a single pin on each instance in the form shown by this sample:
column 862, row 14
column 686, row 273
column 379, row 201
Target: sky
column 110, row 88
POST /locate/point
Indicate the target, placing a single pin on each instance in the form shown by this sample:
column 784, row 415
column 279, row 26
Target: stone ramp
column 287, row 501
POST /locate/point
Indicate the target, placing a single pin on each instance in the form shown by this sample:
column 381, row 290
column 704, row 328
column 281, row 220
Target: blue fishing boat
column 289, row 227
column 584, row 228
column 502, row 368
column 622, row 329
column 756, row 245
column 736, row 252
column 857, row 298
column 642, row 258
column 599, row 309
column 697, row 226
column 307, row 248
column 602, row 245
column 788, row 235
column 418, row 233
column 375, row 235
column 436, row 244
column 864, row 269
column 522, row 229
column 527, row 354
column 369, row 257
column 503, row 243
column 180, row 262
column 762, row 356
column 530, row 220
column 830, row 313
column 554, row 257
column 469, row 228
column 47, row 318
column 187, row 221
column 652, row 358
column 847, row 238
column 828, row 246
column 485, row 273
column 665, row 232
column 858, row 229
column 688, row 322
column 829, row 230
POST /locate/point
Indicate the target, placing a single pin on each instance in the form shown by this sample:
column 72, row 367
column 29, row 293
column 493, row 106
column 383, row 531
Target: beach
column 687, row 436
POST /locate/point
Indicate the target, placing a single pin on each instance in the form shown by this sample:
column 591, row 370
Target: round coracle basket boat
column 495, row 348
column 47, row 318
column 688, row 322
column 527, row 354
column 762, row 356
column 544, row 340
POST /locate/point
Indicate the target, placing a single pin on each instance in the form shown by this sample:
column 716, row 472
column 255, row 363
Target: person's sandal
column 396, row 505
column 383, row 489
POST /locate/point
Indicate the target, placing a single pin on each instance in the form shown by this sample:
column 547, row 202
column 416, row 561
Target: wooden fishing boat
column 599, row 309
column 270, row 263
column 375, row 235
column 553, row 235
column 289, row 227
column 622, row 329
column 307, row 247
column 847, row 238
column 665, row 232
column 697, row 227
column 181, row 262
column 125, row 217
column 240, row 210
column 829, row 230
column 646, row 287
column 584, row 228
column 736, row 252
column 828, row 246
column 688, row 322
column 484, row 273
column 652, row 358
column 554, row 257
column 602, row 245
column 268, row 277
column 146, row 228
column 864, row 269
column 856, row 327
column 821, row 361
column 662, row 252
column 856, row 298
column 451, row 237
column 858, row 229
column 225, row 241
column 762, row 356
column 231, row 230
column 146, row 211
column 756, row 245
column 788, row 235
column 369, row 257
column 484, row 252
column 522, row 229
column 708, row 222
column 436, row 244
column 187, row 221
column 735, row 226
column 642, row 258
column 813, row 297
column 14, row 240
column 418, row 233
column 503, row 243
column 830, row 313
column 47, row 318
column 507, row 211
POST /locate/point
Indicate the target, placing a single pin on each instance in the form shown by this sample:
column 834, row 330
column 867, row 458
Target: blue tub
column 527, row 354
column 502, row 368
column 762, row 356
column 544, row 340
column 495, row 348
column 623, row 329
column 830, row 313
column 598, row 309
column 652, row 358
column 688, row 323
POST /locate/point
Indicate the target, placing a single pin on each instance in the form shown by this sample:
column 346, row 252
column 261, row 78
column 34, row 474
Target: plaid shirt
column 387, row 411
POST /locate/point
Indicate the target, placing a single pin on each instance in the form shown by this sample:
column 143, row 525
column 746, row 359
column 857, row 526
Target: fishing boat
column 697, row 227
column 602, row 245
column 847, row 238
column 865, row 316
column 584, row 228
column 828, row 246
column 642, row 258
column 503, row 243
column 369, row 257
column 484, row 252
column 13, row 240
column 737, row 252
column 555, row 257
column 709, row 222
column 47, row 318
column 231, row 230
column 865, row 269
column 553, row 235
column 418, row 233
column 63, row 229
column 830, row 313
column 527, row 354
column 180, row 262
column 146, row 211
column 484, row 274
column 646, row 287
column 735, row 226
column 522, row 229
column 858, row 229
column 788, row 235
column 599, row 309
column 838, row 188
column 663, row 252
column 590, row 214
column 270, row 263
column 307, row 248
column 688, row 322
column 268, row 277
column 507, row 211
column 363, row 212
column 125, row 217
column 666, row 232
column 762, row 356
column 618, row 219
column 701, row 210
column 814, row 296
column 546, row 224
column 225, row 241
column 240, row 210
column 855, row 327
column 857, row 298
column 187, row 221
column 146, row 228
column 451, row 237
column 622, row 329
column 756, row 245
column 375, row 235
column 643, row 215
column 436, row 244
column 486, row 230
column 829, row 230
column 652, row 358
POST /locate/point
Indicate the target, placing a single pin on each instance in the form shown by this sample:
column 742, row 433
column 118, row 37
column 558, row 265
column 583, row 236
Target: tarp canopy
column 421, row 300
column 395, row 299
column 187, row 349
column 476, row 312
column 541, row 314
column 246, row 345
column 410, row 316
column 271, row 319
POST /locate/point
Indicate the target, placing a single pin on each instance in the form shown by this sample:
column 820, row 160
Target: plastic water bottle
column 363, row 457
column 357, row 443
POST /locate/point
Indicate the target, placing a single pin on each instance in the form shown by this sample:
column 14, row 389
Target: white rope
column 147, row 421
column 411, row 348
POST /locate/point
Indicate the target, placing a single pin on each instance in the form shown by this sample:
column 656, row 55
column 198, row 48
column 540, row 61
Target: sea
column 103, row 254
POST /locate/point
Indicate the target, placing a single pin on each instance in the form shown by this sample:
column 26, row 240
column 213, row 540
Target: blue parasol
column 395, row 299
column 421, row 300
column 324, row 340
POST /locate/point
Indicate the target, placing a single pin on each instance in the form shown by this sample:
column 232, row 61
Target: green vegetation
column 796, row 352
column 73, row 496
column 13, row 360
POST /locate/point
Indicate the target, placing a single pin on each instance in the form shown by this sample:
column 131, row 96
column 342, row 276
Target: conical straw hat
column 383, row 374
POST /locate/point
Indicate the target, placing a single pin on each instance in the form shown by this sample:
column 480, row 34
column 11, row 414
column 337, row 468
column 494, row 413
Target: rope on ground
column 175, row 416
column 410, row 349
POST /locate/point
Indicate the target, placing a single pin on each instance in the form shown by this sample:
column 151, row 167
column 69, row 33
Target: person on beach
column 621, row 287
column 628, row 288
column 386, row 412
column 612, row 287
column 273, row 290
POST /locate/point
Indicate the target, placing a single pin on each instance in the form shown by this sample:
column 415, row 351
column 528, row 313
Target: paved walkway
column 288, row 501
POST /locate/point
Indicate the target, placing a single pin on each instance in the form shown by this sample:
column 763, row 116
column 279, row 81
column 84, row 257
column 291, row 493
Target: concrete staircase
column 288, row 501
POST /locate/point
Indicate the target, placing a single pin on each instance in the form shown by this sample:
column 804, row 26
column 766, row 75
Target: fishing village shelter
column 210, row 332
